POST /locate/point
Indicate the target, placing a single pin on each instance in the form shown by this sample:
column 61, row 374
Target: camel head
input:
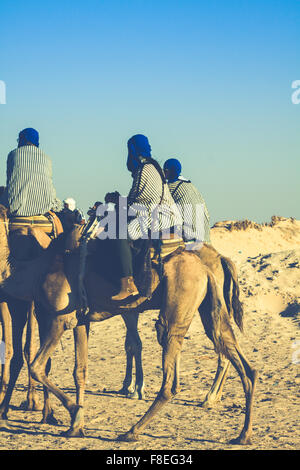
column 72, row 240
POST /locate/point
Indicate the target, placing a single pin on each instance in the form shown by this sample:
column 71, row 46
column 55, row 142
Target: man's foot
column 128, row 288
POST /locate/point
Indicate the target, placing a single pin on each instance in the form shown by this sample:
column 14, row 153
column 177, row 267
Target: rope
column 88, row 233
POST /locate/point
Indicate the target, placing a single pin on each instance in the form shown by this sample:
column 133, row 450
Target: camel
column 187, row 286
column 15, row 313
column 133, row 344
column 225, row 274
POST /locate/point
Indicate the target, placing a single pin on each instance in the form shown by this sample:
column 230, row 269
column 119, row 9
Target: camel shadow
column 292, row 311
column 17, row 427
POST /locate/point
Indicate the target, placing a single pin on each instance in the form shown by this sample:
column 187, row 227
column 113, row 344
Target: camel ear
column 73, row 239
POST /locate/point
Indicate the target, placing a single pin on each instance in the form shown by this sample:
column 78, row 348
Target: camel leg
column 171, row 353
column 133, row 348
column 215, row 393
column 81, row 361
column 230, row 348
column 18, row 321
column 54, row 333
column 7, row 340
column 249, row 378
column 32, row 403
column 176, row 382
column 176, row 319
column 43, row 325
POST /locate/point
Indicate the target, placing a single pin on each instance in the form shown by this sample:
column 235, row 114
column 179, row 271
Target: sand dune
column 268, row 259
column 239, row 240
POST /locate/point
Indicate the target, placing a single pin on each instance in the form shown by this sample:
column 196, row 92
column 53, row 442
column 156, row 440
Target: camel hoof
column 241, row 440
column 125, row 391
column 72, row 432
column 31, row 405
column 4, row 425
column 206, row 405
column 50, row 419
column 3, row 416
column 209, row 403
column 136, row 394
column 132, row 393
column 128, row 437
column 76, row 429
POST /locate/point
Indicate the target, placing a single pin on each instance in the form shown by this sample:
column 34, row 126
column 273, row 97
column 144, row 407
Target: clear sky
column 209, row 82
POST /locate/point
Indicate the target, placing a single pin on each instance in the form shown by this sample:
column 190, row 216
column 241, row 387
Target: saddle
column 162, row 248
column 148, row 254
column 29, row 236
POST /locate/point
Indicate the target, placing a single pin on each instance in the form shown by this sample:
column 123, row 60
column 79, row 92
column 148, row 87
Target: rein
column 89, row 231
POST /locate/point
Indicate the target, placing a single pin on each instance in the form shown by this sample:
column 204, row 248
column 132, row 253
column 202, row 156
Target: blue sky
column 207, row 82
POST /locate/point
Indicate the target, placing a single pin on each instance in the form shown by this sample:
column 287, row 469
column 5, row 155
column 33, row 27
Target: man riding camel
column 30, row 195
column 151, row 203
column 29, row 185
column 190, row 203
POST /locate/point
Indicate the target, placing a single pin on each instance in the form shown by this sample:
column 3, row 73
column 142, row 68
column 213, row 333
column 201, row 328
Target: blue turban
column 173, row 166
column 28, row 136
column 138, row 146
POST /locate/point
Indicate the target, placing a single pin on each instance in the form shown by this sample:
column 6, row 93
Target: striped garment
column 150, row 198
column 29, row 187
column 189, row 201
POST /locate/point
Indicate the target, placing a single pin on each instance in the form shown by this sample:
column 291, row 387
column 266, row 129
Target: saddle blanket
column 165, row 248
column 49, row 223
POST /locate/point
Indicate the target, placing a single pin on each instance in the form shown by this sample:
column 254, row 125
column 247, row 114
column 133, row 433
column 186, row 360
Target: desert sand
column 268, row 260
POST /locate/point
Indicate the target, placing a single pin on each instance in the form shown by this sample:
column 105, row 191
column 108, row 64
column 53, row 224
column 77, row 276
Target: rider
column 71, row 215
column 29, row 186
column 150, row 201
column 30, row 195
column 190, row 203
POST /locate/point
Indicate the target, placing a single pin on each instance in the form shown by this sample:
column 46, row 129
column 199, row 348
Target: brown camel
column 187, row 286
column 15, row 313
column 225, row 274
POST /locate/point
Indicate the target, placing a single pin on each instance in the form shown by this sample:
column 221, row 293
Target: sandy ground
column 268, row 260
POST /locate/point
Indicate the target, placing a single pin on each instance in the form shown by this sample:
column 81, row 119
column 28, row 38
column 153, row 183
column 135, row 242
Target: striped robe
column 29, row 187
column 150, row 200
column 188, row 198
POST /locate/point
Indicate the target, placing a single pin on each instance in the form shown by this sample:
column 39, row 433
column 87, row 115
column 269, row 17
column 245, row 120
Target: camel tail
column 210, row 313
column 232, row 292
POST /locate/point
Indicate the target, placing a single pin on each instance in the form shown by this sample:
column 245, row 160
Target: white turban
column 71, row 203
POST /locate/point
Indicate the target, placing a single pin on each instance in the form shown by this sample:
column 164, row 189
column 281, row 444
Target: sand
column 268, row 259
